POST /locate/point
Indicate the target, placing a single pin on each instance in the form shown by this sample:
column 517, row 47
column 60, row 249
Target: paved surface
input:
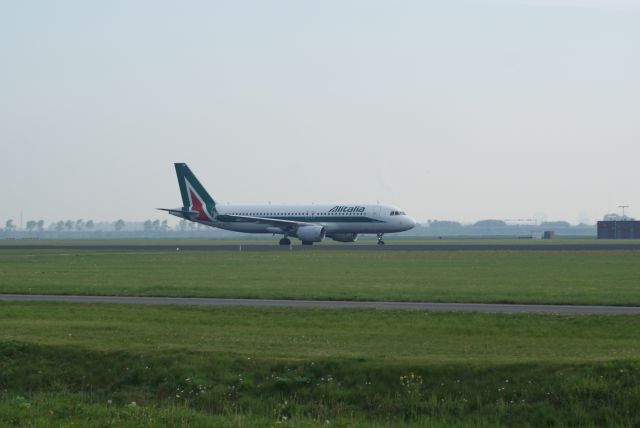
column 452, row 307
column 372, row 247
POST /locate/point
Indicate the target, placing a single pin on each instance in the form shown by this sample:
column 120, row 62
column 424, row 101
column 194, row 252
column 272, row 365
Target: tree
column 148, row 225
column 156, row 224
column 79, row 224
column 89, row 225
column 60, row 226
column 182, row 225
column 490, row 223
column 40, row 225
column 69, row 224
column 119, row 225
column 9, row 226
column 165, row 225
column 31, row 224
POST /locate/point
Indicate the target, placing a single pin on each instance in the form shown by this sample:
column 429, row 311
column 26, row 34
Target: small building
column 619, row 229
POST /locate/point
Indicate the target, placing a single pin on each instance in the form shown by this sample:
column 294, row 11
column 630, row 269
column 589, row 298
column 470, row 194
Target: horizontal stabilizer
column 178, row 212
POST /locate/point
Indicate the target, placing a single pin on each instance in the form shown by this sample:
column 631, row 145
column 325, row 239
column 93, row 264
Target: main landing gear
column 380, row 241
column 285, row 241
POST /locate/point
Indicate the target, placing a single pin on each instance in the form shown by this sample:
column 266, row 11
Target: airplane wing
column 284, row 225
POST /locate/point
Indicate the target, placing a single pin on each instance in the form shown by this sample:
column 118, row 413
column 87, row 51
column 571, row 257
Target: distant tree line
column 87, row 229
column 499, row 228
column 151, row 228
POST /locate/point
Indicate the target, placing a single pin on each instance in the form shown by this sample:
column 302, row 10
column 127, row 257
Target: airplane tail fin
column 194, row 196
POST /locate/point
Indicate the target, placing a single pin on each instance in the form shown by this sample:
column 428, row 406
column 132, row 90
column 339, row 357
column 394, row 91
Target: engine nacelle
column 345, row 237
column 311, row 233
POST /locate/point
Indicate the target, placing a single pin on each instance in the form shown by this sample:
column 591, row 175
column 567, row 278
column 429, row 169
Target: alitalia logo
column 197, row 203
column 347, row 209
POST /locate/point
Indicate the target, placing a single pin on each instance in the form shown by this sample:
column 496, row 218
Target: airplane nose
column 411, row 222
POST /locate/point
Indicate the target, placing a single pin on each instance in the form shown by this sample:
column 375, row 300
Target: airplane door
column 376, row 211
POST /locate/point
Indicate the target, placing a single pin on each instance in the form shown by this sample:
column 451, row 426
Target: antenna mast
column 623, row 207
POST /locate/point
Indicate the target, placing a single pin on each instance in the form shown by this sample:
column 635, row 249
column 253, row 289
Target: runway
column 333, row 304
column 336, row 247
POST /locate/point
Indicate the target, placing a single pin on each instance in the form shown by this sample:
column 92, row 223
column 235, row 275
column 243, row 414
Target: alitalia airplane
column 308, row 223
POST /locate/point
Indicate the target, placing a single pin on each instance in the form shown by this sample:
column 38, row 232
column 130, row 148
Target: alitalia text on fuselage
column 346, row 209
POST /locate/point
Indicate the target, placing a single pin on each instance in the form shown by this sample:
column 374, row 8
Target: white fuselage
column 335, row 218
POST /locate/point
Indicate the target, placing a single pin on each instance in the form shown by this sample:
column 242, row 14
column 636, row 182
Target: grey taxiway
column 333, row 304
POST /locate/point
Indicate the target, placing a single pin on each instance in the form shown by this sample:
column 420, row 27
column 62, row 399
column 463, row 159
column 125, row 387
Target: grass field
column 110, row 365
column 87, row 364
column 567, row 277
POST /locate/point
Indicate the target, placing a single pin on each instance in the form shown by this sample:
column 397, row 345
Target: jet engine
column 345, row 237
column 311, row 233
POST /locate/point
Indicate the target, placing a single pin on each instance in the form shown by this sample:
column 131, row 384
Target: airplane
column 308, row 223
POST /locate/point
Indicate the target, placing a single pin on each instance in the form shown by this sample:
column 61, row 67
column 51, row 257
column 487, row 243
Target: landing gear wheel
column 380, row 241
column 285, row 241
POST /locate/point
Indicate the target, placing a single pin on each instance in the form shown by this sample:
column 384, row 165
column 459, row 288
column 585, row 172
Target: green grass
column 192, row 366
column 84, row 365
column 567, row 277
column 288, row 334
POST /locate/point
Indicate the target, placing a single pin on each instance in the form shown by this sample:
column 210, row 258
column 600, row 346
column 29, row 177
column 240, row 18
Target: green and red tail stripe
column 194, row 195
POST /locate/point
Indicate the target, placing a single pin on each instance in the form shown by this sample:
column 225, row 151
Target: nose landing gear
column 380, row 241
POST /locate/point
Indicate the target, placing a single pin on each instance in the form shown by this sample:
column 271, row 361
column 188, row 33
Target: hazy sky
column 459, row 110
